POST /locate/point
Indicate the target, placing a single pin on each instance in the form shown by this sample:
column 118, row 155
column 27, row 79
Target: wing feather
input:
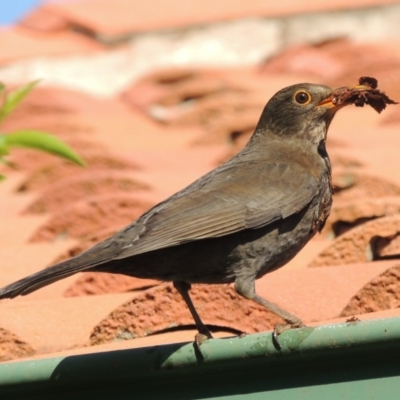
column 224, row 202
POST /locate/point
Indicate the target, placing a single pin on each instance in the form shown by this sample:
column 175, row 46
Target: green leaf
column 3, row 146
column 42, row 141
column 2, row 94
column 15, row 97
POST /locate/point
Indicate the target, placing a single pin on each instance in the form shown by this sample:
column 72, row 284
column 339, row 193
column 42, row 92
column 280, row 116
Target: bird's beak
column 342, row 96
column 327, row 103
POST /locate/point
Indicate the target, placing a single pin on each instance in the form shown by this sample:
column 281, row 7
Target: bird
column 240, row 221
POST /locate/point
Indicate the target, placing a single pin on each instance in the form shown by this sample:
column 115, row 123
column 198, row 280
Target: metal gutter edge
column 309, row 357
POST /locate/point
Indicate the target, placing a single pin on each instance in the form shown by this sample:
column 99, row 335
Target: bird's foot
column 200, row 337
column 203, row 335
column 279, row 328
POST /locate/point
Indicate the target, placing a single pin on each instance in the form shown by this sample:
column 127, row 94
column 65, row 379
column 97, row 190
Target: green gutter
column 356, row 360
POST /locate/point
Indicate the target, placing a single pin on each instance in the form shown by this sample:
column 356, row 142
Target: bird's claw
column 200, row 338
column 279, row 328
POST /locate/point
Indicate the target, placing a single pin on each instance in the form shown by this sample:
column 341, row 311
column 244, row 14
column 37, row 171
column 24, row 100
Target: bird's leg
column 183, row 288
column 246, row 288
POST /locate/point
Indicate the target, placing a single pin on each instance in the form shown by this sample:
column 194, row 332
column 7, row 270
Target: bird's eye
column 302, row 97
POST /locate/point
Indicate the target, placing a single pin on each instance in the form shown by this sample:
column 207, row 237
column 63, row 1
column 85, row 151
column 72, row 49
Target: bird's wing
column 221, row 203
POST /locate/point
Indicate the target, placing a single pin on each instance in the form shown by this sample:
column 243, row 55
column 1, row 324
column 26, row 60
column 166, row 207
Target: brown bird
column 244, row 219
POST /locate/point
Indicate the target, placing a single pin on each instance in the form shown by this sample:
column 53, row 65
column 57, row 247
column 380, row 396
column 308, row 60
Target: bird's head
column 301, row 111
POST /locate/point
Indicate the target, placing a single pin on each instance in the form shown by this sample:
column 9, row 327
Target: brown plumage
column 240, row 221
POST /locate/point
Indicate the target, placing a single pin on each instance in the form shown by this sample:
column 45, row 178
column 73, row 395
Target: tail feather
column 51, row 274
column 33, row 282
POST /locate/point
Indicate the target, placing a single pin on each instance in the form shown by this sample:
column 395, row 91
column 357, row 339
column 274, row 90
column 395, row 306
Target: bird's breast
column 324, row 200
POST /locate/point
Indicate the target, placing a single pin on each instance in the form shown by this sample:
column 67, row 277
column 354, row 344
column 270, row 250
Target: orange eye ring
column 302, row 97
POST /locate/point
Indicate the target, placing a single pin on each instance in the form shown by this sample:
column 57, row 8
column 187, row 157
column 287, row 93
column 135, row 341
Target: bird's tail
column 52, row 274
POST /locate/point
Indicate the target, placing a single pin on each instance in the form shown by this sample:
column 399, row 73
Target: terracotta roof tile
column 18, row 43
column 42, row 19
column 360, row 244
column 13, row 347
column 381, row 293
column 124, row 16
column 67, row 323
column 14, row 262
